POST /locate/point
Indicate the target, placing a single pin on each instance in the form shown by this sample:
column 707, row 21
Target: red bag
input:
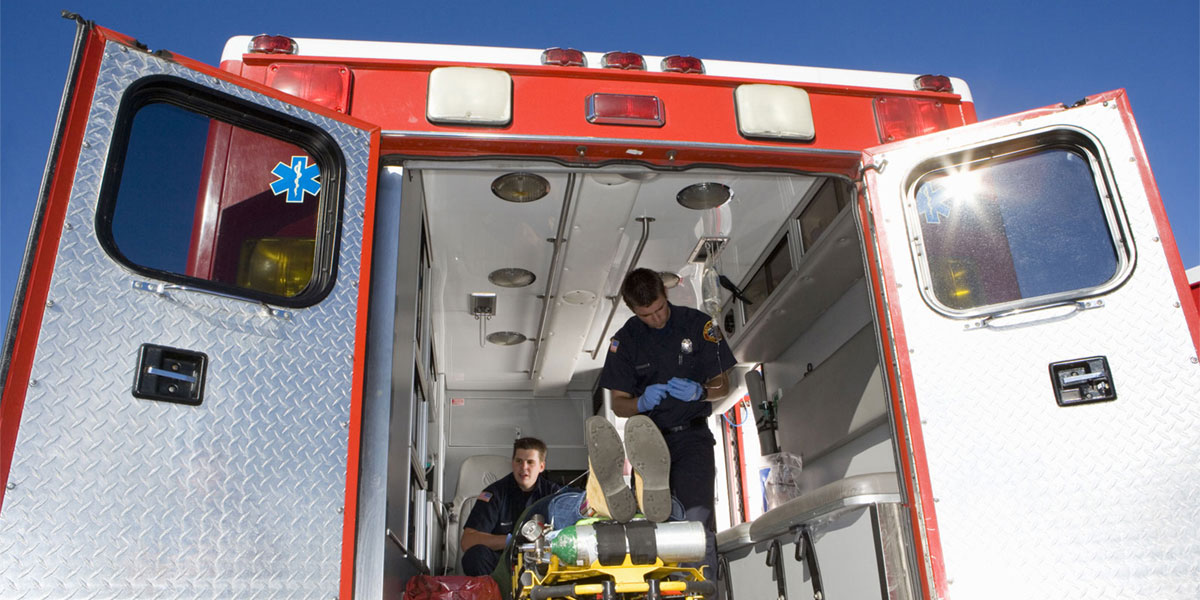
column 451, row 587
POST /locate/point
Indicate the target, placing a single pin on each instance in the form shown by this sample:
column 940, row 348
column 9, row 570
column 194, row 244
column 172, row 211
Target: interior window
column 768, row 277
column 192, row 197
column 1029, row 226
column 820, row 212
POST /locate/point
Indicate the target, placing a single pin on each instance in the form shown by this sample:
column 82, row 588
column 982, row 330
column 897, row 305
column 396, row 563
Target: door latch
column 170, row 375
column 1082, row 381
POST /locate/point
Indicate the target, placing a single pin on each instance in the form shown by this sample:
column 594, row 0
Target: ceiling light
column 511, row 277
column 703, row 196
column 506, row 338
column 579, row 297
column 669, row 279
column 520, row 187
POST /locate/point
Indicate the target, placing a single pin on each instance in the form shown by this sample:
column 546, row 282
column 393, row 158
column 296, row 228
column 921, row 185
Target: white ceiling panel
column 473, row 232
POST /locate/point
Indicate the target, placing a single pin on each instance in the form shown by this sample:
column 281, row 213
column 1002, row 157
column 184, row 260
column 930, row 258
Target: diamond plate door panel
column 240, row 497
column 1033, row 499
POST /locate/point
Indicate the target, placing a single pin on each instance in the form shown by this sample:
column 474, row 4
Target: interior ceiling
column 472, row 233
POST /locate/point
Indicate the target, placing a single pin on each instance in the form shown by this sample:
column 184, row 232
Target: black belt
column 694, row 423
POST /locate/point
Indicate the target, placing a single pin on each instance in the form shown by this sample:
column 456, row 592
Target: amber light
column 900, row 118
column 625, row 109
column 630, row 61
column 272, row 44
column 278, row 266
column 564, row 57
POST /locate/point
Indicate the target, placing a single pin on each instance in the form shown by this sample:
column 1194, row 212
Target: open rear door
column 1043, row 351
column 182, row 383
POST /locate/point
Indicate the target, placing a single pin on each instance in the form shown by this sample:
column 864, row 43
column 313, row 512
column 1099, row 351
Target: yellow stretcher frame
column 571, row 581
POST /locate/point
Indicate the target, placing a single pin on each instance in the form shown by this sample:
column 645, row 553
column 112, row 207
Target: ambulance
column 280, row 320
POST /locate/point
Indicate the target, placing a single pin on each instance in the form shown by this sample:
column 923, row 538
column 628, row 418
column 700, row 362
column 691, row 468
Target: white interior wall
column 481, row 422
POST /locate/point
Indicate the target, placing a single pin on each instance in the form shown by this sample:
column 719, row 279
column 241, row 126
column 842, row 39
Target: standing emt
column 669, row 362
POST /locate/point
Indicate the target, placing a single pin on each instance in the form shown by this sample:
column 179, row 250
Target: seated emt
column 500, row 504
column 669, row 363
column 607, row 496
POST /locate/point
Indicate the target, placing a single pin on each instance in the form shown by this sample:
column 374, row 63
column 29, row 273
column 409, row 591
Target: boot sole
column 608, row 466
column 651, row 459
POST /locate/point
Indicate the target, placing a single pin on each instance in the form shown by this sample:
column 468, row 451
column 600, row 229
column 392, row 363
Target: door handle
column 170, row 375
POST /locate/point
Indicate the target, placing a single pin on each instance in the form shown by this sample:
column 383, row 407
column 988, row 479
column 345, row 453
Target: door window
column 205, row 192
column 1028, row 227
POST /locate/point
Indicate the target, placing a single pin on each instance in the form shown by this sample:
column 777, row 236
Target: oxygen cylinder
column 673, row 542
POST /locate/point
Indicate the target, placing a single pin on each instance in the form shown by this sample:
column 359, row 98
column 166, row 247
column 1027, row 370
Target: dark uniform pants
column 693, row 475
column 479, row 560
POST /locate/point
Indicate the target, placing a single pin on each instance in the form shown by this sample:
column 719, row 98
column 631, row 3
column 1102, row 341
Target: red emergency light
column 625, row 109
column 682, row 64
column 933, row 83
column 629, row 61
column 327, row 85
column 899, row 118
column 564, row 57
column 272, row 44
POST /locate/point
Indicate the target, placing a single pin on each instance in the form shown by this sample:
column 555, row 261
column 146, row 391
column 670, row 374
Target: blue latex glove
column 651, row 396
column 685, row 389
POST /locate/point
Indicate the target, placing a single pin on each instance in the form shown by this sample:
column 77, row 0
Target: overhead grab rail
column 637, row 253
column 555, row 268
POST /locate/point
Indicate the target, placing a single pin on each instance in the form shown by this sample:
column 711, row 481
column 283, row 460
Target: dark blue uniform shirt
column 688, row 346
column 500, row 504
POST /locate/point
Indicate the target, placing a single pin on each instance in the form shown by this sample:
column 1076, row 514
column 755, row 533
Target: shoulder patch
column 712, row 333
column 485, row 497
column 613, row 346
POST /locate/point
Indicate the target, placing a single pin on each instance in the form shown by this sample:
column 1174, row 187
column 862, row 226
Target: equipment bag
column 451, row 587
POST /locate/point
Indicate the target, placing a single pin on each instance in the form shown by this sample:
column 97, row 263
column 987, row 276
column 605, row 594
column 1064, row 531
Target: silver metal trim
column 996, row 321
column 902, row 445
column 404, row 359
column 637, row 253
column 370, row 567
column 521, row 137
column 170, row 374
column 897, row 568
column 555, row 268
column 161, row 289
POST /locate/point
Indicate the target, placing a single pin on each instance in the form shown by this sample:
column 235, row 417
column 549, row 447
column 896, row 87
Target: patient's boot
column 651, row 460
column 607, row 493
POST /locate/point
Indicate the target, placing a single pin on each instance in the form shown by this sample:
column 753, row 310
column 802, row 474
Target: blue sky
column 1014, row 55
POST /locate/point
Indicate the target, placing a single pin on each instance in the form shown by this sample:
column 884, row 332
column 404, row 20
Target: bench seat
column 854, row 491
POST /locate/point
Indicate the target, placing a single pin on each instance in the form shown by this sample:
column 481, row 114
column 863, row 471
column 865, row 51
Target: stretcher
column 610, row 560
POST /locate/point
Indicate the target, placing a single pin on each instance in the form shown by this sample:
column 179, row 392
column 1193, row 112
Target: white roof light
column 773, row 111
column 469, row 96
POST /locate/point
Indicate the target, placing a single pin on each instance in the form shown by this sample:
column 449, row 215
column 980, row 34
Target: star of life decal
column 296, row 179
column 933, row 204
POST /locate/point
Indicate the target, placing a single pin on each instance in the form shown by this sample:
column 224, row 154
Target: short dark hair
column 642, row 287
column 530, row 443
